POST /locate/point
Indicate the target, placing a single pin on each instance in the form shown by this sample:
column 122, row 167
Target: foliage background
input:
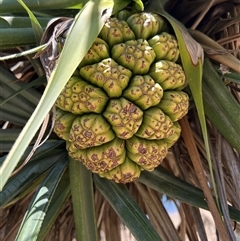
column 44, row 189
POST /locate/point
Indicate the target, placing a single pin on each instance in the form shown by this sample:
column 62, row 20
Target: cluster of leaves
column 44, row 168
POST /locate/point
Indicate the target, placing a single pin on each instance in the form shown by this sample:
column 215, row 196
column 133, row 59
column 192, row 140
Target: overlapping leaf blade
column 220, row 106
column 38, row 207
column 83, row 201
column 192, row 201
column 163, row 182
column 28, row 174
column 12, row 6
column 59, row 198
column 127, row 209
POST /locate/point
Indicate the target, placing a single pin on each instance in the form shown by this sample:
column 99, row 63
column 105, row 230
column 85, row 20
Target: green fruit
column 119, row 115
column 115, row 31
column 174, row 104
column 135, row 55
column 98, row 52
column 100, row 158
column 90, row 130
column 155, row 125
column 80, row 97
column 124, row 116
column 110, row 76
column 143, row 91
column 175, row 134
column 168, row 74
column 128, row 171
column 63, row 123
column 146, row 25
column 165, row 46
column 147, row 154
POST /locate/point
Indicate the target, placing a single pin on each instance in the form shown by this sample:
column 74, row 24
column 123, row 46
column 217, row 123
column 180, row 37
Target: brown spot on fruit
column 141, row 149
column 111, row 153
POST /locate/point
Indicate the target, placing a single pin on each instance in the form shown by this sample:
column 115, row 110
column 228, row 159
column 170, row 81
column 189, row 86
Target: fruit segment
column 124, row 116
column 109, row 75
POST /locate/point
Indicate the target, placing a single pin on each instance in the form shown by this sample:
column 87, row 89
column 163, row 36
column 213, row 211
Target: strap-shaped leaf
column 28, row 174
column 44, row 150
column 60, row 197
column 21, row 21
column 8, row 137
column 127, row 209
column 18, row 103
column 12, row 6
column 16, row 95
column 174, row 187
column 30, row 97
column 83, row 201
column 220, row 106
column 12, row 114
column 25, row 53
column 38, row 207
column 18, row 31
column 37, row 29
column 164, row 182
column 15, row 37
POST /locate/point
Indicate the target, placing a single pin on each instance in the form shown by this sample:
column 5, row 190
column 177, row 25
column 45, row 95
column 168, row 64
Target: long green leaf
column 24, row 53
column 220, row 106
column 164, row 182
column 44, row 150
column 21, row 22
column 37, row 29
column 60, row 197
column 18, row 100
column 127, row 209
column 89, row 21
column 12, row 6
column 14, row 115
column 174, row 187
column 16, row 37
column 28, row 174
column 20, row 104
column 17, row 31
column 33, row 186
column 31, row 96
column 7, row 138
column 38, row 207
column 83, row 201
